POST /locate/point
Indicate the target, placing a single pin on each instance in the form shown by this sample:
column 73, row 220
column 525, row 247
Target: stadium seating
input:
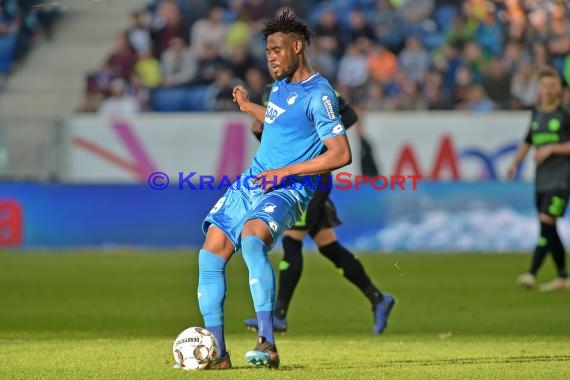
column 179, row 99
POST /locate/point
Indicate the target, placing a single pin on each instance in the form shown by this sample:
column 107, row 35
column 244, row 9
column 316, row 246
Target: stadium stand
column 477, row 55
column 22, row 22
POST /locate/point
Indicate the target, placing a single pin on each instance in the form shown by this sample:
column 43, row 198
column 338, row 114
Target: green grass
column 115, row 315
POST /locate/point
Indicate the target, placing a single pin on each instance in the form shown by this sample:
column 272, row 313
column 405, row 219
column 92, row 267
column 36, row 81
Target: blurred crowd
column 21, row 23
column 477, row 55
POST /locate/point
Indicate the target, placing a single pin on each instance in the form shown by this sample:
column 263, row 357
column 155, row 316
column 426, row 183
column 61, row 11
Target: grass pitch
column 92, row 315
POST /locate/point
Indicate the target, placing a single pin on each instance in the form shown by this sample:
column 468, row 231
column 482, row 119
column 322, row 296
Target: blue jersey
column 299, row 117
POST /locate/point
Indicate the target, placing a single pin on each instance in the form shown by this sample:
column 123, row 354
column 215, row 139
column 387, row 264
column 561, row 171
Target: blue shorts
column 279, row 209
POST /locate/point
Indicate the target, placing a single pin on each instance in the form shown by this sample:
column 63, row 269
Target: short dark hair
column 548, row 73
column 286, row 23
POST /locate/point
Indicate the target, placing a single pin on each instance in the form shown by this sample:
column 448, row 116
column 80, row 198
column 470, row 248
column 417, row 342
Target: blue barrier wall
column 448, row 217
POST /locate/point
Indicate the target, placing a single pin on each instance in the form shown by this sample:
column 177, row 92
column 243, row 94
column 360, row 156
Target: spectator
column 540, row 56
column 221, row 91
column 475, row 60
column 516, row 22
column 477, row 100
column 382, row 63
column 436, row 98
column 139, row 33
column 524, row 86
column 353, row 74
column 179, row 66
column 121, row 61
column 558, row 35
column 497, row 83
column 416, row 11
column 490, row 32
column 120, row 105
column 167, row 25
column 375, row 99
column 414, row 60
column 390, row 27
column 238, row 34
column 255, row 81
column 329, row 34
column 209, row 33
column 241, row 60
column 463, row 81
column 147, row 70
column 462, row 30
column 208, row 65
column 359, row 28
column 514, row 56
column 538, row 19
column 258, row 10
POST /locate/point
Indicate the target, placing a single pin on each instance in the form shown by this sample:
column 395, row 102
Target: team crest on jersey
column 275, row 89
column 269, row 207
column 273, row 112
column 291, row 99
column 554, row 125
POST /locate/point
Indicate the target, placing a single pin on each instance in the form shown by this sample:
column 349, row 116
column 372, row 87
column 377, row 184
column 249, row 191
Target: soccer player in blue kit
column 303, row 137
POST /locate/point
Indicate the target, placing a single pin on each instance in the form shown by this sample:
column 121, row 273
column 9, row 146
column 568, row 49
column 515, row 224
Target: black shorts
column 552, row 202
column 320, row 214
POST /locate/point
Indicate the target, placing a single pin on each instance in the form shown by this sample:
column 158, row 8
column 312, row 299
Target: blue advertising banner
column 436, row 217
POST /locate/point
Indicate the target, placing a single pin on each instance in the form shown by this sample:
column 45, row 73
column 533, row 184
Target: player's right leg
column 222, row 227
column 528, row 279
column 213, row 257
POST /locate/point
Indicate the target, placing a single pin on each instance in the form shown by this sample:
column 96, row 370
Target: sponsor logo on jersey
column 274, row 227
column 273, row 112
column 291, row 99
column 275, row 89
column 337, row 129
column 328, row 106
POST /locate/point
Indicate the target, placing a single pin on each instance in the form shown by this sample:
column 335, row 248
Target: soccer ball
column 195, row 348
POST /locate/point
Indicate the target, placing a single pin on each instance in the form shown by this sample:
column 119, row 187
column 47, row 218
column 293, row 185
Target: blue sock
column 212, row 294
column 261, row 283
column 265, row 325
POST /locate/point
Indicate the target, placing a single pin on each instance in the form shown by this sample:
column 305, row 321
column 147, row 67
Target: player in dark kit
column 549, row 133
column 319, row 221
